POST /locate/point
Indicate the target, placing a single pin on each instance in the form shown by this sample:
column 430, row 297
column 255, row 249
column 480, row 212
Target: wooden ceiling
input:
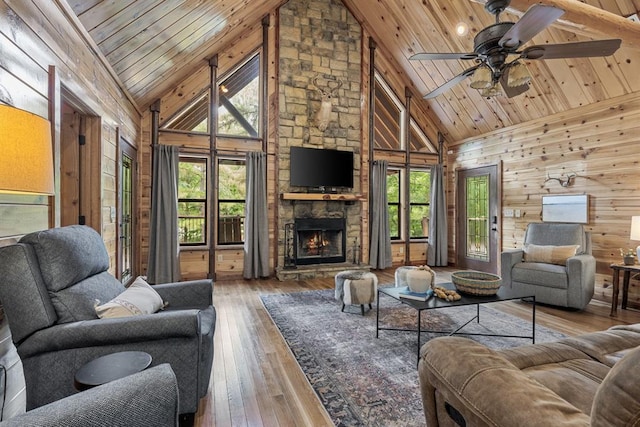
column 152, row 45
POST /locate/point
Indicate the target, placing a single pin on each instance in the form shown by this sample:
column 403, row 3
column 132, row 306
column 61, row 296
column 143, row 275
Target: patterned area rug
column 364, row 381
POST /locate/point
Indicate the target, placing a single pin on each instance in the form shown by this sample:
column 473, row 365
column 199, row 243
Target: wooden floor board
column 256, row 380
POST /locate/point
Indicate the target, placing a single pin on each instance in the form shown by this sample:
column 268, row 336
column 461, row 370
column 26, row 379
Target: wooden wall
column 42, row 50
column 598, row 142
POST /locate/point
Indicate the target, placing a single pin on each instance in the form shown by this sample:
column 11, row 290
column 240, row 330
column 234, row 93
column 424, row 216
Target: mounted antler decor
column 565, row 182
column 323, row 116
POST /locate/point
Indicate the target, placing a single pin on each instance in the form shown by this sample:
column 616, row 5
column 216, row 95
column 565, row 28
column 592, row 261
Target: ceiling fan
column 495, row 50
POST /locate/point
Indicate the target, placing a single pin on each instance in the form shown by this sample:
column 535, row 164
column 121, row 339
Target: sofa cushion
column 616, row 402
column 540, row 274
column 139, row 298
column 22, row 284
column 549, row 254
column 68, row 255
column 566, row 371
column 77, row 302
column 545, row 233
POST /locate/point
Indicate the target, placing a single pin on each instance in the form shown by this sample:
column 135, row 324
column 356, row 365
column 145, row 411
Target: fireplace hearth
column 319, row 240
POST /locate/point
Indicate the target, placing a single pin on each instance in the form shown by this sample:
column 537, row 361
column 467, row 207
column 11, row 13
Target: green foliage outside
column 419, row 198
column 419, row 192
column 192, row 184
column 393, row 198
column 232, row 176
column 477, row 214
column 246, row 101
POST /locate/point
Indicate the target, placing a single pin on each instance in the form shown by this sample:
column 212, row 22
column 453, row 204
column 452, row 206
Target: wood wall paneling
column 594, row 141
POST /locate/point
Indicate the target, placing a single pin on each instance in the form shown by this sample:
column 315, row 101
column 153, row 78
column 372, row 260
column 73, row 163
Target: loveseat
column 555, row 264
column 51, row 282
column 588, row 380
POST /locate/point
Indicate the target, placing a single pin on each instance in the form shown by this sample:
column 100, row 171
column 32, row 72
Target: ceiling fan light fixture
column 518, row 75
column 493, row 90
column 482, row 78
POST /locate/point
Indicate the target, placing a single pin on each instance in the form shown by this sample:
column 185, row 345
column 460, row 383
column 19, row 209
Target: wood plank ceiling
column 152, row 45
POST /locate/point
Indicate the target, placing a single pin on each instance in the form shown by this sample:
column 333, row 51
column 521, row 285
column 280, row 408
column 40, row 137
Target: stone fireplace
column 320, row 40
column 320, row 240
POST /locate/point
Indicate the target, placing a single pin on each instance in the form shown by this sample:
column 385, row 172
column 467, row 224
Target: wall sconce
column 26, row 163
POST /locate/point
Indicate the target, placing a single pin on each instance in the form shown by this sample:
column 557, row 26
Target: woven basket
column 476, row 282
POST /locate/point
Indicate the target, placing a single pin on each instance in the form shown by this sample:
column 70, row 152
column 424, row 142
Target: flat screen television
column 321, row 168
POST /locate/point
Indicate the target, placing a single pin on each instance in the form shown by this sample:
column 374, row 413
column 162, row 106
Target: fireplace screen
column 320, row 240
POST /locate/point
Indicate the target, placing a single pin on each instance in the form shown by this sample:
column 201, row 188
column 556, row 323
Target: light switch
column 508, row 213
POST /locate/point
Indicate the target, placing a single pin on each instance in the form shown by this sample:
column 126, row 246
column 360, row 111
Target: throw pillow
column 139, row 298
column 549, row 254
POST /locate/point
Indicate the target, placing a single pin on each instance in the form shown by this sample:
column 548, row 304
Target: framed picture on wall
column 566, row 208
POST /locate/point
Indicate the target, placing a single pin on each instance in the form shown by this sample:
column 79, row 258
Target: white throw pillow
column 549, row 254
column 139, row 298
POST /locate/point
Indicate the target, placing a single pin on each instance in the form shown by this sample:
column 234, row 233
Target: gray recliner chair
column 145, row 399
column 570, row 285
column 50, row 282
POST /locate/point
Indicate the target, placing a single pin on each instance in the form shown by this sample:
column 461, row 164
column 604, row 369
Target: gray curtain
column 256, row 227
column 437, row 253
column 164, row 261
column 380, row 245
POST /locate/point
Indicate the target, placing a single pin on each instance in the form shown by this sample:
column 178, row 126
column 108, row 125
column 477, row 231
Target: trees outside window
column 232, row 174
column 239, row 101
column 393, row 201
column 192, row 201
column 419, row 198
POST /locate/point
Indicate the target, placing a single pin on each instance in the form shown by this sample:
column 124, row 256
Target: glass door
column 126, row 214
column 477, row 227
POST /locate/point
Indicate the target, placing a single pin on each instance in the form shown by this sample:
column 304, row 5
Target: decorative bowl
column 476, row 282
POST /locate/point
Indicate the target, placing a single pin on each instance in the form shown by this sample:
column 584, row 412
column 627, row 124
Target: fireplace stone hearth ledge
column 314, row 271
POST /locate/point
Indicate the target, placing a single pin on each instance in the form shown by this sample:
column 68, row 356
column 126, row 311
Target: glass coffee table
column 466, row 299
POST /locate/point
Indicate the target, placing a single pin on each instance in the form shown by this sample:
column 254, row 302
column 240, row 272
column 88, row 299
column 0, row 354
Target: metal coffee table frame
column 436, row 303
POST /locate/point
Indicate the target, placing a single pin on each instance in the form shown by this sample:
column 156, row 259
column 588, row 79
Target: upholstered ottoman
column 356, row 288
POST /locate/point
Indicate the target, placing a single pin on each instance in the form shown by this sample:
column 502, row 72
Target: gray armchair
column 569, row 285
column 49, row 284
column 146, row 399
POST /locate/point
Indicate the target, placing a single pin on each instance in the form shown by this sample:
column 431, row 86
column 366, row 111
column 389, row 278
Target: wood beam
column 584, row 19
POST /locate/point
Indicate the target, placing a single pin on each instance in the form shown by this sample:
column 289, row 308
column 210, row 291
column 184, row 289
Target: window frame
column 220, row 160
column 411, row 203
column 397, row 204
column 204, row 160
column 223, row 78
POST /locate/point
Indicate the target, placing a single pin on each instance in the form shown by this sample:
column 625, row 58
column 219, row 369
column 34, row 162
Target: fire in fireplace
column 320, row 240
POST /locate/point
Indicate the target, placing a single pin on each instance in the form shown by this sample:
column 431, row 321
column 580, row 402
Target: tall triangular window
column 239, row 101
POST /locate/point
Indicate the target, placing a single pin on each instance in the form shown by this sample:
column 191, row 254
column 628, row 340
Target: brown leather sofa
column 588, row 380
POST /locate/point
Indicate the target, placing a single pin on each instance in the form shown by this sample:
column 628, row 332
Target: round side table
column 111, row 367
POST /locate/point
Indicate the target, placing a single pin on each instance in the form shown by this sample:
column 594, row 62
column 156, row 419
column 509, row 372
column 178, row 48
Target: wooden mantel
column 350, row 197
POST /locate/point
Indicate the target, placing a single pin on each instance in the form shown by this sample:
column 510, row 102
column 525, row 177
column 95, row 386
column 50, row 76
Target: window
column 192, row 201
column 393, row 201
column 239, row 97
column 232, row 175
column 388, row 118
column 419, row 197
column 418, row 141
column 193, row 118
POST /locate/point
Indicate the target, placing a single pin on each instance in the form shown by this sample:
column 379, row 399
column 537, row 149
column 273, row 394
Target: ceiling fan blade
column 536, row 18
column 509, row 91
column 572, row 50
column 432, row 56
column 451, row 83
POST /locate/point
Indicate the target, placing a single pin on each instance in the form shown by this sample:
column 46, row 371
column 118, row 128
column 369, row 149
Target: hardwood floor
column 256, row 380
